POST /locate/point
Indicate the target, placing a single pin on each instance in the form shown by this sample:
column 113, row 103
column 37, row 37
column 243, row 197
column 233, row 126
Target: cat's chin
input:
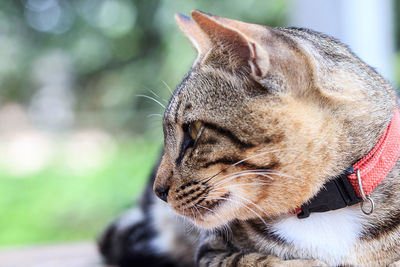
column 210, row 224
column 207, row 221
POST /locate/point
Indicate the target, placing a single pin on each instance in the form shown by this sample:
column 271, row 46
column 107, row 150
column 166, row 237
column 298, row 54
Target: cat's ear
column 192, row 31
column 242, row 40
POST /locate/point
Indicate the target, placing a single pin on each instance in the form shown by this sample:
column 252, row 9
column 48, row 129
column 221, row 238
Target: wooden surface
column 60, row 255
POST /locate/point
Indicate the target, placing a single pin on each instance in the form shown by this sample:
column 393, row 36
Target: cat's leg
column 215, row 250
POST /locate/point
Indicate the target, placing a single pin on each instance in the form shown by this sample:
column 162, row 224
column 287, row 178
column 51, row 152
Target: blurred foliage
column 112, row 50
column 57, row 204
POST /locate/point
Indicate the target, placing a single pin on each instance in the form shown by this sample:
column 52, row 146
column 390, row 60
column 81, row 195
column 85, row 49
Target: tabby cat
column 262, row 125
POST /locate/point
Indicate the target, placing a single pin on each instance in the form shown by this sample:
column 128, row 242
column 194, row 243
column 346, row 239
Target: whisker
column 216, row 214
column 245, row 171
column 209, row 178
column 267, row 146
column 154, row 115
column 228, row 186
column 284, row 175
column 251, row 202
column 230, row 178
column 156, row 95
column 194, row 216
column 245, row 199
column 201, row 216
column 240, row 161
column 166, row 85
column 256, row 155
column 183, row 212
column 225, row 225
column 152, row 98
column 243, row 205
column 152, row 92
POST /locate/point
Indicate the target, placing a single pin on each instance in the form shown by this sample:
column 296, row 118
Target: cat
column 281, row 146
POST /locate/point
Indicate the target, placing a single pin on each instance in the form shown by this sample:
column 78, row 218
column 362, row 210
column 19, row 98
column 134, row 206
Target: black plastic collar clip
column 335, row 194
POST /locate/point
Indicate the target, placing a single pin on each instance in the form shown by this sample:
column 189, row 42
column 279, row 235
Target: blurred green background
column 77, row 142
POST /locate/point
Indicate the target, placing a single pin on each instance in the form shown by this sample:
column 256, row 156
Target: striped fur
column 283, row 110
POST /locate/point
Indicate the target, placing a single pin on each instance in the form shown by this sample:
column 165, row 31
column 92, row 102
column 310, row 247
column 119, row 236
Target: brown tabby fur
column 288, row 100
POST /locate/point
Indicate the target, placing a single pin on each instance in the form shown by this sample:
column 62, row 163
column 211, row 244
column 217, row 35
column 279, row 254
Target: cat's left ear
column 240, row 39
column 197, row 37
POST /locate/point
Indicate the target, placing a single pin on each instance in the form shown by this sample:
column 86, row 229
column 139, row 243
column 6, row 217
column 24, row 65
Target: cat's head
column 263, row 119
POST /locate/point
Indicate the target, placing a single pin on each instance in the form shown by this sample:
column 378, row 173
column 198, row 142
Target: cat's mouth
column 200, row 204
column 207, row 206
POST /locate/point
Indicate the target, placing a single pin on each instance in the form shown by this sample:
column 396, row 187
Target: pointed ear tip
column 181, row 17
column 194, row 12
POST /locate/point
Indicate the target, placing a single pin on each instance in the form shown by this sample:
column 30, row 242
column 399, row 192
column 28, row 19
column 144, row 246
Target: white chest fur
column 328, row 236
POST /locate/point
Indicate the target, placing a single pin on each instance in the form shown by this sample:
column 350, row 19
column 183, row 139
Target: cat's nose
column 162, row 192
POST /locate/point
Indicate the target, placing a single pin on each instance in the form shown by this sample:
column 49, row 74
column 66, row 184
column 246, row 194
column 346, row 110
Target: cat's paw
column 306, row 263
column 276, row 262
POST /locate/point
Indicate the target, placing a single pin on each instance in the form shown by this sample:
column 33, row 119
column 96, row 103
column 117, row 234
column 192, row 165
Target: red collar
column 373, row 168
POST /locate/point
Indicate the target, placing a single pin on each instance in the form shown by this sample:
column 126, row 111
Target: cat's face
column 246, row 136
column 229, row 149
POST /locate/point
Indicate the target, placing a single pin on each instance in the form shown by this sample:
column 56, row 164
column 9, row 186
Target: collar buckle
column 335, row 194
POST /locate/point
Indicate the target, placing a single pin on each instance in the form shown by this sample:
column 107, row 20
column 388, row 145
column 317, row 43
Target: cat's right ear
column 192, row 31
